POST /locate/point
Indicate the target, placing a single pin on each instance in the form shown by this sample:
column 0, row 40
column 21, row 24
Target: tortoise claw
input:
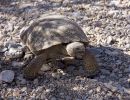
column 28, row 57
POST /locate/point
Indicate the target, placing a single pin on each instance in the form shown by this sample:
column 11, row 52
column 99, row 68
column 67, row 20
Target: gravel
column 108, row 30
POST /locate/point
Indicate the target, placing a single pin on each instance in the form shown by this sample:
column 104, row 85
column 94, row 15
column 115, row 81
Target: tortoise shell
column 51, row 30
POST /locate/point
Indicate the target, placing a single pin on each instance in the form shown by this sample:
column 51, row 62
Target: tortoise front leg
column 90, row 63
column 28, row 55
column 32, row 69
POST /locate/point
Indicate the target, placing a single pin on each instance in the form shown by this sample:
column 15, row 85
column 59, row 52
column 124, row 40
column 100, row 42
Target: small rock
column 115, row 2
column 86, row 29
column 98, row 89
column 45, row 67
column 13, row 53
column 10, row 27
column 75, row 88
column 7, row 76
column 14, row 49
column 61, row 72
column 127, row 46
column 24, row 89
column 128, row 80
column 56, row 75
column 16, row 92
column 48, row 90
column 109, row 39
column 2, row 49
column 90, row 91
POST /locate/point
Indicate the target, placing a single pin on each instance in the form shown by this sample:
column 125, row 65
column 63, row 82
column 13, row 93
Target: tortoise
column 56, row 37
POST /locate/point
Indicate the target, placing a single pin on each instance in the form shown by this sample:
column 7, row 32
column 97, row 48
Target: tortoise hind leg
column 31, row 70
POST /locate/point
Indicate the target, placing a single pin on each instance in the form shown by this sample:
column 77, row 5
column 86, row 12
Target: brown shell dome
column 52, row 30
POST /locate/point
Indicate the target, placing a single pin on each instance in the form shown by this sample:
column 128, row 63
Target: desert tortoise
column 55, row 36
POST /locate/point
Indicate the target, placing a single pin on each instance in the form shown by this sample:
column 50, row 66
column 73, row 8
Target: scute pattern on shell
column 51, row 31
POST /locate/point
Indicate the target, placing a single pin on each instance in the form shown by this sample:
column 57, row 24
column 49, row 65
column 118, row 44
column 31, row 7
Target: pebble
column 24, row 89
column 7, row 76
column 98, row 89
column 48, row 90
column 90, row 91
column 10, row 27
column 109, row 40
column 2, row 49
column 45, row 67
column 16, row 92
column 56, row 75
column 14, row 51
column 128, row 80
